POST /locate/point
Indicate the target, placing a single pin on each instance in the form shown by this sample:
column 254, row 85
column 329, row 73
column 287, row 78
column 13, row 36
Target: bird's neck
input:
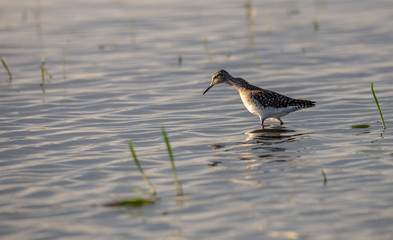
column 240, row 83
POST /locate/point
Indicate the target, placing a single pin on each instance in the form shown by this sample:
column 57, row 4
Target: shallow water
column 123, row 69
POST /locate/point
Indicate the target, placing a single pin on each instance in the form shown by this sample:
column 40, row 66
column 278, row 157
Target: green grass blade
column 152, row 189
column 133, row 29
column 360, row 126
column 324, row 177
column 206, row 49
column 379, row 108
column 6, row 68
column 64, row 64
column 179, row 190
column 43, row 75
column 315, row 24
column 131, row 203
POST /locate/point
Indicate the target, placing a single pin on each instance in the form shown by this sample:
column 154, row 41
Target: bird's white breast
column 252, row 105
column 257, row 109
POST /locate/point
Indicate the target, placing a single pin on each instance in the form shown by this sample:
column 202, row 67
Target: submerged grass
column 324, row 177
column 133, row 29
column 133, row 203
column 315, row 25
column 251, row 16
column 376, row 102
column 64, row 64
column 137, row 202
column 140, row 202
column 179, row 190
column 207, row 49
column 360, row 126
column 6, row 68
column 137, row 163
column 44, row 70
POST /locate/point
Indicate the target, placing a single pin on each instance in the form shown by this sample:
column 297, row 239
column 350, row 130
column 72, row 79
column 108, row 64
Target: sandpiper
column 261, row 102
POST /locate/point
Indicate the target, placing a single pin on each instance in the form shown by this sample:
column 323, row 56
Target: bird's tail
column 304, row 103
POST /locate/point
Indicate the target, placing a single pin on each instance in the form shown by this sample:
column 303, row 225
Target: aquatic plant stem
column 64, row 64
column 324, row 177
column 379, row 108
column 207, row 49
column 152, row 189
column 42, row 75
column 179, row 190
column 6, row 68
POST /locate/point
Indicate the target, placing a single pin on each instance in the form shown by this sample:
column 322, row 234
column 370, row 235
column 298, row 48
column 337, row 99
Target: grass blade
column 206, row 49
column 379, row 108
column 43, row 75
column 152, row 189
column 324, row 177
column 6, row 68
column 131, row 203
column 179, row 190
column 64, row 64
column 360, row 126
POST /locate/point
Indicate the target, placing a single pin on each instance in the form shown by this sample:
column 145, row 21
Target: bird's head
column 218, row 77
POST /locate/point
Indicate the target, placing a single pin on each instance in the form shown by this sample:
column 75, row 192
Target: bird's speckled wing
column 269, row 98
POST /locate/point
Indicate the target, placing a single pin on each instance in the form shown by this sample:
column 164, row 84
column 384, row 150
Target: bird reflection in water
column 268, row 145
column 270, row 134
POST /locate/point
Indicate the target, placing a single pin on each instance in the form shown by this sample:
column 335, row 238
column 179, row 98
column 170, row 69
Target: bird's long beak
column 211, row 85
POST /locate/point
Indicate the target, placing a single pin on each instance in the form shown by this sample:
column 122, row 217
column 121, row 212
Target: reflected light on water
column 121, row 69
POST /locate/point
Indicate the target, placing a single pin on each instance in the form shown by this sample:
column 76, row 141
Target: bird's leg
column 262, row 120
column 281, row 122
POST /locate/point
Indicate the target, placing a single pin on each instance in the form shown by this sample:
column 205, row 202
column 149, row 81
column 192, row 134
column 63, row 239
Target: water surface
column 123, row 69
